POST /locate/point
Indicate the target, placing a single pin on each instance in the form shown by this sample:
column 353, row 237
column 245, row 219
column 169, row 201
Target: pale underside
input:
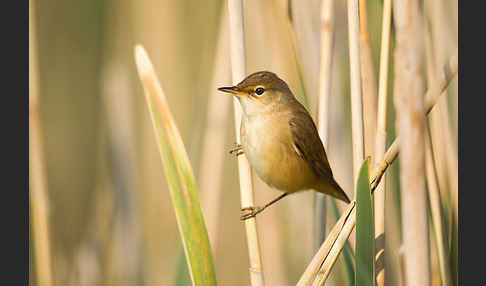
column 273, row 155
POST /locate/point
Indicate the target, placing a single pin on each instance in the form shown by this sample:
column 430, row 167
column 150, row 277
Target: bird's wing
column 307, row 143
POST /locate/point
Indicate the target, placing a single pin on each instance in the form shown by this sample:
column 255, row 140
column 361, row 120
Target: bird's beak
column 232, row 89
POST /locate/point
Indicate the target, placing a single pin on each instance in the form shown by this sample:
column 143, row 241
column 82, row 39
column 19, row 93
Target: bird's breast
column 267, row 143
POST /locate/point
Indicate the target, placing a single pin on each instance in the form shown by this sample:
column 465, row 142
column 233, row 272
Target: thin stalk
column 313, row 267
column 380, row 143
column 237, row 41
column 439, row 134
column 450, row 156
column 436, row 132
column 434, row 199
column 39, row 209
column 432, row 95
column 325, row 83
column 304, row 16
column 431, row 98
column 441, row 42
column 355, row 77
column 325, row 72
column 369, row 83
column 331, row 258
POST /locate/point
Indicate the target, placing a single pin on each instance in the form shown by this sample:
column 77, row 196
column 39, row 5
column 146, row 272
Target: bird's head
column 261, row 92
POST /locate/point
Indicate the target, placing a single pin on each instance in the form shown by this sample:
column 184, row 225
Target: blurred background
column 110, row 217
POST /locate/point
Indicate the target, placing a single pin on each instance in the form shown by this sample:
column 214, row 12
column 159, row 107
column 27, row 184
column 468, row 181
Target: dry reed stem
column 331, row 258
column 438, row 88
column 441, row 32
column 355, row 78
column 448, row 73
column 439, row 135
column 39, row 209
column 325, row 83
column 449, row 151
column 237, row 41
column 211, row 163
column 410, row 123
column 304, row 22
column 450, row 155
column 316, row 262
column 368, row 84
column 436, row 132
column 325, row 71
column 434, row 199
column 440, row 36
column 380, row 143
column 431, row 97
column 441, row 125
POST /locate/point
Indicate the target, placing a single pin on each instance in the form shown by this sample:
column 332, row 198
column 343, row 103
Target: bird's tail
column 332, row 188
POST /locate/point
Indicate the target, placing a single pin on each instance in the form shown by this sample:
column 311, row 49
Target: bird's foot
column 238, row 150
column 250, row 212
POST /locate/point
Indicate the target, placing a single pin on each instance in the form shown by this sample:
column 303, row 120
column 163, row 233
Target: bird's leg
column 250, row 212
column 238, row 150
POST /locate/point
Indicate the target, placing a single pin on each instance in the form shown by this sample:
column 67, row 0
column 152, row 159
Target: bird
column 280, row 140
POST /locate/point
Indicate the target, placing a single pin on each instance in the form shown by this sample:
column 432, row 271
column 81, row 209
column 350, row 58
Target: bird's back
column 311, row 150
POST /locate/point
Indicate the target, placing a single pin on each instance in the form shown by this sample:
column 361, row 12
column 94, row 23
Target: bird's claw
column 249, row 212
column 238, row 150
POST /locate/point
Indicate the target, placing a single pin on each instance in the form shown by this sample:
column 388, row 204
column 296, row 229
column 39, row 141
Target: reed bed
column 101, row 188
column 324, row 257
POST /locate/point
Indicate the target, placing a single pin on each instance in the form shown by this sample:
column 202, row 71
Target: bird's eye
column 259, row 90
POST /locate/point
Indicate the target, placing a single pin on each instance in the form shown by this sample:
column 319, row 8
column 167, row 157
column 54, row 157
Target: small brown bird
column 280, row 140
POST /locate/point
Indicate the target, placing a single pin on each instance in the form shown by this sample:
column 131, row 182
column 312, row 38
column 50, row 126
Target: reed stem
column 325, row 83
column 434, row 199
column 237, row 43
column 380, row 143
column 440, row 41
column 368, row 83
column 39, row 208
column 355, row 78
column 410, row 124
column 449, row 72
